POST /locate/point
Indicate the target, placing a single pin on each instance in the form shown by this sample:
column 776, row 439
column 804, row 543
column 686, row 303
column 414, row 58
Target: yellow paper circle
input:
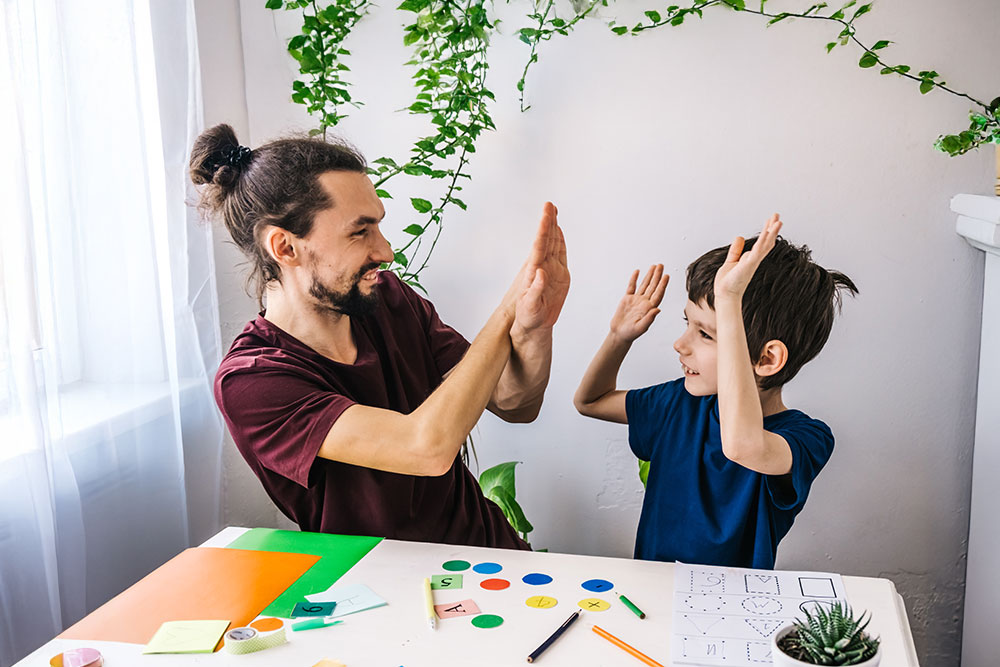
column 594, row 604
column 541, row 602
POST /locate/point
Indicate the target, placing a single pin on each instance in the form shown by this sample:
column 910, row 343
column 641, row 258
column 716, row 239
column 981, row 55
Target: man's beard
column 352, row 302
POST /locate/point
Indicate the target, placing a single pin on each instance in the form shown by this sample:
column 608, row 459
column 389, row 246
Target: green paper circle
column 487, row 621
column 456, row 565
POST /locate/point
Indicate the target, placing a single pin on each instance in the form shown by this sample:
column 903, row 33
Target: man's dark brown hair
column 790, row 298
column 275, row 184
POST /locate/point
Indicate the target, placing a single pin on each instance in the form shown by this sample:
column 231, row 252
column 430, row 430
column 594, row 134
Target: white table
column 398, row 634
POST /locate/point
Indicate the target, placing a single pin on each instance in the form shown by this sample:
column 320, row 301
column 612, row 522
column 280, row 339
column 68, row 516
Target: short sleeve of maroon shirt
column 280, row 397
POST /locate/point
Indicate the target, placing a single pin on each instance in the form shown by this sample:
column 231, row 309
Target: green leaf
column 868, row 60
column 500, row 475
column 273, row 4
column 400, row 258
column 414, row 229
column 421, row 205
column 677, row 20
column 619, row 30
column 511, row 509
column 863, row 9
column 411, row 37
column 643, row 471
column 413, row 5
column 881, row 44
column 382, row 194
column 297, row 42
column 829, row 47
column 926, row 87
column 654, row 16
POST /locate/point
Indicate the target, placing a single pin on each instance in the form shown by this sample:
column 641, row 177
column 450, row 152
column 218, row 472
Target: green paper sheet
column 338, row 554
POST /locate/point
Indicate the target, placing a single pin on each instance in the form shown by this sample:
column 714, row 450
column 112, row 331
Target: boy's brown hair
column 790, row 298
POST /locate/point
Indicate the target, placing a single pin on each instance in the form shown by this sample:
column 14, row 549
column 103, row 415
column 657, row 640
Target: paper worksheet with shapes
column 727, row 615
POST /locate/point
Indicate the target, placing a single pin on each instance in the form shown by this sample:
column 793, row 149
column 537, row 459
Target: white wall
column 656, row 149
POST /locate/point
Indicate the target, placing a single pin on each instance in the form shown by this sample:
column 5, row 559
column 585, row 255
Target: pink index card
column 455, row 609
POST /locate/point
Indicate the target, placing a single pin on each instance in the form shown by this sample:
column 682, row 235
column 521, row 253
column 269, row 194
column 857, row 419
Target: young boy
column 730, row 465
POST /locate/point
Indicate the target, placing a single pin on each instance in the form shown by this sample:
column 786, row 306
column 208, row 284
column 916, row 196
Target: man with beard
column 347, row 395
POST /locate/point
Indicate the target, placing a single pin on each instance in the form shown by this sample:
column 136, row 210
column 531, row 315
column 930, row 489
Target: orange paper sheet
column 197, row 584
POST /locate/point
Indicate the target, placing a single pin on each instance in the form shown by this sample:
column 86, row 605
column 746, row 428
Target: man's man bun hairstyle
column 276, row 184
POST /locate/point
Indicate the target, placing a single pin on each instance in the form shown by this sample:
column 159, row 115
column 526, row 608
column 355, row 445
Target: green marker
column 313, row 623
column 635, row 610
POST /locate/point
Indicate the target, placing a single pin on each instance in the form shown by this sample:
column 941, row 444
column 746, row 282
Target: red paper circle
column 495, row 584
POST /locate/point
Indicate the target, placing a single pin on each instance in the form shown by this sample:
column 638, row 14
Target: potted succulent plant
column 826, row 637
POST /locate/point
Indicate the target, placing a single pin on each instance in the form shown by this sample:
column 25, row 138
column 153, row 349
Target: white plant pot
column 782, row 659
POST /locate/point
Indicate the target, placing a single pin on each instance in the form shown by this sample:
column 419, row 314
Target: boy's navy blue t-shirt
column 702, row 508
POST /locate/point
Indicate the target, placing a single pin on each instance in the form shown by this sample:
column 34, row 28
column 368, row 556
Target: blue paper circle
column 597, row 585
column 487, row 568
column 536, row 579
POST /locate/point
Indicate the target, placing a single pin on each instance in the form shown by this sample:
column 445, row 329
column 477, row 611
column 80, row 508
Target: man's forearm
column 519, row 393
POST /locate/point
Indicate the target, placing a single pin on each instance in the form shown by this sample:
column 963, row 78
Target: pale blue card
column 350, row 599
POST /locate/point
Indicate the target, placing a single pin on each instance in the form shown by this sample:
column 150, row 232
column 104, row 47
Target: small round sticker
column 267, row 624
column 594, row 604
column 487, row 568
column 456, row 565
column 597, row 585
column 495, row 584
column 536, row 579
column 541, row 602
column 487, row 621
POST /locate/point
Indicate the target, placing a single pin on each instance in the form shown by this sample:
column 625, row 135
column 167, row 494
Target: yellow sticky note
column 186, row 637
column 326, row 662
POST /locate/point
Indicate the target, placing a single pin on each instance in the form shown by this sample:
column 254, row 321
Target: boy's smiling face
column 697, row 350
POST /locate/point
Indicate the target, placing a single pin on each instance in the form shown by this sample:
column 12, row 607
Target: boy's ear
column 772, row 359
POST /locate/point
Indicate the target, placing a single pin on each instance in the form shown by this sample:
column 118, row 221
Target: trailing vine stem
column 449, row 39
column 546, row 28
column 984, row 125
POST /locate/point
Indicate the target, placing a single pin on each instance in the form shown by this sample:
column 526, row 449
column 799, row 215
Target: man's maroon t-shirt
column 280, row 397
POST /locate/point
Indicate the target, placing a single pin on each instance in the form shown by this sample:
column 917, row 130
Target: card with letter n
column 728, row 615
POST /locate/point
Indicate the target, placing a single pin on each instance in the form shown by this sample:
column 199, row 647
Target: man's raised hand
column 639, row 307
column 544, row 277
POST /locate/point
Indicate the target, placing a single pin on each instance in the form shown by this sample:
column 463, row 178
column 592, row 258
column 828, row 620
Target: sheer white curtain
column 110, row 444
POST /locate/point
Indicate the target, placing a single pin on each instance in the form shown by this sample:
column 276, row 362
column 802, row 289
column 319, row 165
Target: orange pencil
column 634, row 652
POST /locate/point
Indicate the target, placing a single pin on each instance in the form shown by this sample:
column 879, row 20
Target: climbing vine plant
column 449, row 39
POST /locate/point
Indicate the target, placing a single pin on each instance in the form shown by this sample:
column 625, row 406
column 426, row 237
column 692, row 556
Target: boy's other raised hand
column 735, row 273
column 638, row 308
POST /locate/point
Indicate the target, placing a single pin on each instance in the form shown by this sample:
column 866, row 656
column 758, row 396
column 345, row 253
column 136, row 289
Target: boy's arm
column 744, row 439
column 598, row 395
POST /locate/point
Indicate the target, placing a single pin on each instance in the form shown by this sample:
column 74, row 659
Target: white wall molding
column 979, row 223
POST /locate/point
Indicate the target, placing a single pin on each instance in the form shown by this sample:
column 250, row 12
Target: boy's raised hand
column 638, row 308
column 735, row 273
